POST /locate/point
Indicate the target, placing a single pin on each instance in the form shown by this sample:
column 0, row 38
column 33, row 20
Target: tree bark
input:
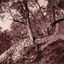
column 48, row 40
column 28, row 20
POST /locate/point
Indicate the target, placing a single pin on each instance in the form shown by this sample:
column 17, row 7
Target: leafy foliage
column 30, row 20
column 5, row 42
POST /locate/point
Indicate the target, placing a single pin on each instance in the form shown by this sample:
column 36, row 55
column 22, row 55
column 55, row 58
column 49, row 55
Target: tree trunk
column 28, row 20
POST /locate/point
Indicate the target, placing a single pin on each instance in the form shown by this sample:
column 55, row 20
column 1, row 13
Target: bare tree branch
column 57, row 21
column 53, row 9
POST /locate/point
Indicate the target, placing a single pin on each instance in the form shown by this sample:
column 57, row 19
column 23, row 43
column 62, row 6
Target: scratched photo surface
column 31, row 31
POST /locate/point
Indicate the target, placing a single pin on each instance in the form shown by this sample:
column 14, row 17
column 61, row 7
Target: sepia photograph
column 31, row 31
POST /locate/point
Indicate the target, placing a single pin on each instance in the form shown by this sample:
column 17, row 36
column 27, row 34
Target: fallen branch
column 48, row 40
column 17, row 51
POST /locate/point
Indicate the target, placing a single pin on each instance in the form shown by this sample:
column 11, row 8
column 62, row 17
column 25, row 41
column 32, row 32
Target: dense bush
column 5, row 41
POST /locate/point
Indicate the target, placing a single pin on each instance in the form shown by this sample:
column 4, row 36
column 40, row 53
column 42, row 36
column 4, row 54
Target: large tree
column 35, row 32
